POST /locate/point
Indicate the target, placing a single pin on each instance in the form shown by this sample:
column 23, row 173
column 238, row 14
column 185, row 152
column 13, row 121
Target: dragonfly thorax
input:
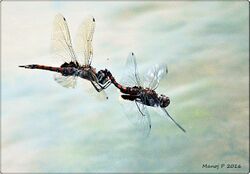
column 88, row 68
column 149, row 97
column 70, row 64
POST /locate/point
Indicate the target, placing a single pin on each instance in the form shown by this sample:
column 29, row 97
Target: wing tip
column 58, row 15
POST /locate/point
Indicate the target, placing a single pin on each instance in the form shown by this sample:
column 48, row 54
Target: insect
column 72, row 68
column 133, row 90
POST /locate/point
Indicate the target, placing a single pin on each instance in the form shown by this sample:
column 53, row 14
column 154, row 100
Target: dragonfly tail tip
column 22, row 66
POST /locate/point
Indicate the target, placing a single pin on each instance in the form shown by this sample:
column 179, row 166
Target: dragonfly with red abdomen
column 73, row 67
column 142, row 94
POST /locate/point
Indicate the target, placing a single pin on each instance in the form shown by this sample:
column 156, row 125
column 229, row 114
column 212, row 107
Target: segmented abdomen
column 125, row 90
column 67, row 71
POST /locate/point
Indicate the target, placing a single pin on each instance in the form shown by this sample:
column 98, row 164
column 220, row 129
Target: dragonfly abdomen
column 42, row 67
column 66, row 71
column 125, row 90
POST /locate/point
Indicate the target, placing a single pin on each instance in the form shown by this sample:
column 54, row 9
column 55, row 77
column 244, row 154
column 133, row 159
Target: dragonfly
column 73, row 66
column 142, row 92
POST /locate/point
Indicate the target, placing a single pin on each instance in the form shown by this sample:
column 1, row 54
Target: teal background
column 48, row 128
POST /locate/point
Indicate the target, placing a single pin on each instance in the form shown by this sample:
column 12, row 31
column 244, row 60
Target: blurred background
column 48, row 128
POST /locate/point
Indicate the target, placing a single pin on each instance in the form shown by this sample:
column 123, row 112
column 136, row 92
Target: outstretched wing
column 166, row 112
column 130, row 76
column 136, row 112
column 65, row 81
column 101, row 96
column 144, row 119
column 84, row 40
column 138, row 115
column 154, row 75
column 61, row 40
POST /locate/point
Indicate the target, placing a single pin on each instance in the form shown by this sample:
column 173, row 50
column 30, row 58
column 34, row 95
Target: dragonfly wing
column 61, row 40
column 101, row 96
column 84, row 40
column 138, row 115
column 166, row 112
column 65, row 81
column 154, row 75
column 131, row 76
column 145, row 121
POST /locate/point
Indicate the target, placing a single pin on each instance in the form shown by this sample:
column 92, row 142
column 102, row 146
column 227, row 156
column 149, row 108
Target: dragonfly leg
column 100, row 86
column 139, row 108
column 96, row 88
column 106, row 85
column 102, row 82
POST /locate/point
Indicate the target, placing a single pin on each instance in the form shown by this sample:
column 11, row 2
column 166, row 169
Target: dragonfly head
column 164, row 101
column 102, row 77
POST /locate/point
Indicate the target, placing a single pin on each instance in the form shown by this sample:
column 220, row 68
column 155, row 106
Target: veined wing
column 65, row 81
column 131, row 76
column 84, row 40
column 138, row 115
column 144, row 121
column 102, row 95
column 61, row 40
column 154, row 75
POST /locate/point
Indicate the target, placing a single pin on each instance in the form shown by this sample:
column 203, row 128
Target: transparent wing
column 154, row 75
column 102, row 95
column 131, row 76
column 65, row 81
column 84, row 40
column 61, row 40
column 145, row 121
column 166, row 112
column 138, row 115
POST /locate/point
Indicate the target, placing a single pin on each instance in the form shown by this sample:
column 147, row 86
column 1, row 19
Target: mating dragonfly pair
column 131, row 88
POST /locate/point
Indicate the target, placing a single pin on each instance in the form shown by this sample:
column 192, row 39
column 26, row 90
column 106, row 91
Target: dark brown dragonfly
column 73, row 67
column 141, row 91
